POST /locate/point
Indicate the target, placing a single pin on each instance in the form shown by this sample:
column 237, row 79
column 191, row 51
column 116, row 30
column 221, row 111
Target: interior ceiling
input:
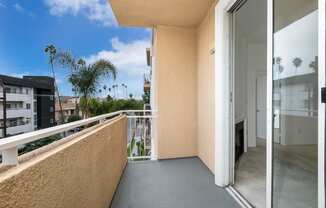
column 148, row 13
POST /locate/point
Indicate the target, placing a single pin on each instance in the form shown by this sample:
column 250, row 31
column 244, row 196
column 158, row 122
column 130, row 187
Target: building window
column 28, row 120
column 35, row 107
column 28, row 106
column 27, row 91
column 51, row 97
column 51, row 120
column 51, row 109
column 35, row 120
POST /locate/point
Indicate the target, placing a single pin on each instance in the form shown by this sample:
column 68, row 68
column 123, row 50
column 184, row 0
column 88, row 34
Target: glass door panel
column 295, row 104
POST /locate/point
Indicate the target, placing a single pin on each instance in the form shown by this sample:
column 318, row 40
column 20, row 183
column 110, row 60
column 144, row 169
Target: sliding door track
column 244, row 203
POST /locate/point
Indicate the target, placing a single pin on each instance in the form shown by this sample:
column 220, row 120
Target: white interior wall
column 250, row 62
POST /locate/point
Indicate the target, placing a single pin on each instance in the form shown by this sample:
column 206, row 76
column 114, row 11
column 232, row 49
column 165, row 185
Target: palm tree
column 279, row 64
column 66, row 60
column 117, row 90
column 87, row 80
column 297, row 63
column 51, row 51
column 126, row 91
column 113, row 88
column 314, row 64
column 105, row 88
column 123, row 89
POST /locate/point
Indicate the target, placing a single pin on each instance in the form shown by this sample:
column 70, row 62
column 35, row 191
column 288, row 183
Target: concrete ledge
column 83, row 171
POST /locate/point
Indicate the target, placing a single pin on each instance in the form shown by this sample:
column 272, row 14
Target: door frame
column 257, row 75
column 321, row 106
column 223, row 110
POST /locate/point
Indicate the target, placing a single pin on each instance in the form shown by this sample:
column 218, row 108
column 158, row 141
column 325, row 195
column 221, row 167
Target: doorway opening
column 249, row 84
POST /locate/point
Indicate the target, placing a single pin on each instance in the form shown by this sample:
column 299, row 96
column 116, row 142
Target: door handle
column 323, row 94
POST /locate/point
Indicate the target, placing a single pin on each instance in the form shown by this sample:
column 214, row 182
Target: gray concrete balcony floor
column 179, row 183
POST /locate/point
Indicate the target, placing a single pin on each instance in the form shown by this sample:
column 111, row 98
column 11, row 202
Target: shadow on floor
column 180, row 183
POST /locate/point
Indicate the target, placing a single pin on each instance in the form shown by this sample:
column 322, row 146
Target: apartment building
column 69, row 105
column 29, row 104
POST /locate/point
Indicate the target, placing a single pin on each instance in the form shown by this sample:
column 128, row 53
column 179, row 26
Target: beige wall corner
column 206, row 104
column 83, row 172
column 176, row 90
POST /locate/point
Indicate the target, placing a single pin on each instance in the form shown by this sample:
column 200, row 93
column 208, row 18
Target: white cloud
column 127, row 57
column 3, row 5
column 94, row 10
column 19, row 75
column 18, row 7
column 22, row 10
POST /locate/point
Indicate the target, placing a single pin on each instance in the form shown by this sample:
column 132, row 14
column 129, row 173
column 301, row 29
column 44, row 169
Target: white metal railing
column 9, row 145
column 140, row 139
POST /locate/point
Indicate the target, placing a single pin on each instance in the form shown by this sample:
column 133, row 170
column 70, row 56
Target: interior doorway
column 261, row 114
column 249, row 84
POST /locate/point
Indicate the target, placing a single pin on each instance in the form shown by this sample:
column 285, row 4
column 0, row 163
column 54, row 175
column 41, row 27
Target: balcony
column 90, row 168
column 170, row 183
column 18, row 97
column 17, row 112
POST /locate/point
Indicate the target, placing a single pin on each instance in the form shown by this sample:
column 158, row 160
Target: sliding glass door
column 295, row 105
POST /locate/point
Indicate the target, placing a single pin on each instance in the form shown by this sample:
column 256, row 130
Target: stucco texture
column 205, row 76
column 146, row 13
column 184, row 90
column 176, row 90
column 82, row 173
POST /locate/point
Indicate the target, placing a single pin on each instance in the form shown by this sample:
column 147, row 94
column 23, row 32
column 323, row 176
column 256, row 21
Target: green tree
column 74, row 117
column 110, row 105
column 87, row 80
column 146, row 97
column 51, row 51
column 67, row 60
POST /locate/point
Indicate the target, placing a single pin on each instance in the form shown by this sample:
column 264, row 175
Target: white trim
column 139, row 157
column 269, row 106
column 238, row 197
column 222, row 95
column 141, row 116
column 9, row 145
column 154, row 135
column 10, row 156
column 321, row 106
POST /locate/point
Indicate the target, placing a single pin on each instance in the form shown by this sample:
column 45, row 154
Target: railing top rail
column 14, row 141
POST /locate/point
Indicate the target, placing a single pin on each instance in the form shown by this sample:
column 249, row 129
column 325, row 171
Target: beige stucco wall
column 184, row 95
column 81, row 173
column 176, row 91
column 205, row 76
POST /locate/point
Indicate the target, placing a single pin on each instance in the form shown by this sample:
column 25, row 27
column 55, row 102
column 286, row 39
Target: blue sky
column 85, row 27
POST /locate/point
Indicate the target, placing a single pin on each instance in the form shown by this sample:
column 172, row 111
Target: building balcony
column 18, row 97
column 183, row 182
column 20, row 128
column 95, row 168
column 15, row 113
